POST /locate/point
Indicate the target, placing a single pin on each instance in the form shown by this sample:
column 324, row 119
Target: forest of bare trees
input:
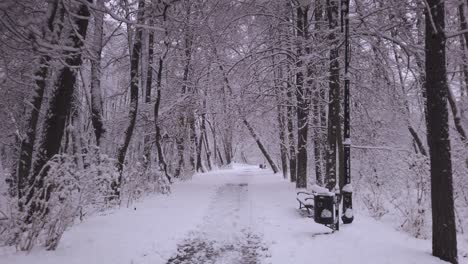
column 106, row 101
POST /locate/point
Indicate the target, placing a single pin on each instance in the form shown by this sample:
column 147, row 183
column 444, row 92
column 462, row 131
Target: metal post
column 347, row 191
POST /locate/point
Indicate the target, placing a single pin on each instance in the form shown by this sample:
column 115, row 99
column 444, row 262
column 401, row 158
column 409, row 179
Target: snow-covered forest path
column 243, row 215
column 226, row 235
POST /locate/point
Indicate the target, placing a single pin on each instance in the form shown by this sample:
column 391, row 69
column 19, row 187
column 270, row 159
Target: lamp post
column 347, row 190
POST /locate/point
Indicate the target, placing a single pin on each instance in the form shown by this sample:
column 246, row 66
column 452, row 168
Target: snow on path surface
column 244, row 215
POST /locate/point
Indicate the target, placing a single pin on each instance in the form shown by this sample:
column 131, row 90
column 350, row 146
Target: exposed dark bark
column 204, row 133
column 227, row 146
column 53, row 127
column 96, row 93
column 161, row 160
column 27, row 143
column 456, row 115
column 282, row 140
column 334, row 97
column 134, row 87
column 290, row 126
column 199, row 154
column 279, row 93
column 228, row 130
column 193, row 141
column 207, row 150
column 317, row 110
column 149, row 84
column 302, row 95
column 444, row 236
column 260, row 146
column 417, row 141
column 217, row 154
column 186, row 117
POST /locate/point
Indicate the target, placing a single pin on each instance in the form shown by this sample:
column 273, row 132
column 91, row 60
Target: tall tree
column 96, row 93
column 163, row 8
column 444, row 237
column 334, row 96
column 302, row 95
column 318, row 107
column 58, row 113
column 25, row 156
column 134, row 87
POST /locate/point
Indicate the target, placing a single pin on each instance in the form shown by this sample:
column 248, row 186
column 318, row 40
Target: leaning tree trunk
column 134, row 63
column 96, row 93
column 302, row 94
column 260, row 146
column 444, row 235
column 456, row 115
column 334, row 97
column 54, row 122
column 27, row 143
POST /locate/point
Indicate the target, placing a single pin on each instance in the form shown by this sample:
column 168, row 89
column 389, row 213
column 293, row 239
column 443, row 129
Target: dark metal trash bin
column 324, row 209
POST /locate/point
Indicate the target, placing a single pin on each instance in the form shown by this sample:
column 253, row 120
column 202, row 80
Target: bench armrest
column 305, row 193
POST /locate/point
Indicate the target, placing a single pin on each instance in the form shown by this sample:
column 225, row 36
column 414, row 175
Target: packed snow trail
column 225, row 235
column 243, row 215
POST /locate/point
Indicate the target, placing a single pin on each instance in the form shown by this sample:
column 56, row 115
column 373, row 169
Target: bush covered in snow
column 71, row 193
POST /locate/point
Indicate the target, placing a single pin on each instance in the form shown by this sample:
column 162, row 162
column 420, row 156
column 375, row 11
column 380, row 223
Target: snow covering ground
column 243, row 215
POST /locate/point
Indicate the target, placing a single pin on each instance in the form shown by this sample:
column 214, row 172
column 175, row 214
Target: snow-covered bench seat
column 306, row 198
column 306, row 201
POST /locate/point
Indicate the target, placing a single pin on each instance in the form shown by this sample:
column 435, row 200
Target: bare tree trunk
column 161, row 160
column 282, row 139
column 302, row 94
column 444, row 235
column 464, row 43
column 334, row 97
column 134, row 87
column 27, row 143
column 149, row 84
column 316, row 110
column 456, row 115
column 96, row 93
column 260, row 146
column 204, row 133
column 217, row 153
column 292, row 141
column 279, row 93
column 53, row 127
column 199, row 154
column 186, row 117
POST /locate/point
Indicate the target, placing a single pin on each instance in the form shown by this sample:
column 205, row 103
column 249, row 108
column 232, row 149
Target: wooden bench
column 306, row 202
column 306, row 199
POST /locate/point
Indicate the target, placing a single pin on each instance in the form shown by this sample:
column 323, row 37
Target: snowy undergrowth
column 399, row 195
column 215, row 209
column 145, row 232
column 74, row 191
